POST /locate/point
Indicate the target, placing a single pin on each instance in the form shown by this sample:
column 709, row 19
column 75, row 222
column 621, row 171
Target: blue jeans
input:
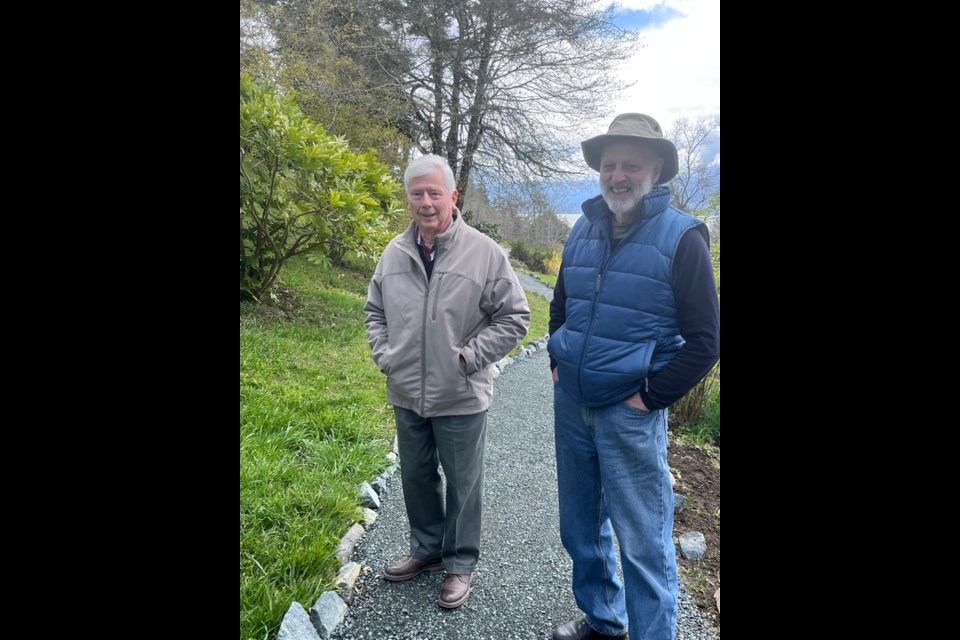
column 612, row 476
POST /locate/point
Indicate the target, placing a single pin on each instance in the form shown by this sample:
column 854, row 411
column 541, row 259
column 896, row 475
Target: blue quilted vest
column 621, row 316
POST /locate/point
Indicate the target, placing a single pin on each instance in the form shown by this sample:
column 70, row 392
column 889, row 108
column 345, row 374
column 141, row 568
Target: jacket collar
column 597, row 211
column 444, row 240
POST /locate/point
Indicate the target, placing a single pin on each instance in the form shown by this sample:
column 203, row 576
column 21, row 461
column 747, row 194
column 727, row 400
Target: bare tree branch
column 697, row 180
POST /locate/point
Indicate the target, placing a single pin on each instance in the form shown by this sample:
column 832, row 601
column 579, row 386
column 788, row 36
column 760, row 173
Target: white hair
column 425, row 165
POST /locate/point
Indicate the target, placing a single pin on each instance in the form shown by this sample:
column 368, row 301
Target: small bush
column 303, row 191
column 698, row 412
column 688, row 409
column 551, row 265
column 535, row 257
column 486, row 228
column 709, row 425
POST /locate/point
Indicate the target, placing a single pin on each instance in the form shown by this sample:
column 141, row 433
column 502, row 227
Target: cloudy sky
column 678, row 71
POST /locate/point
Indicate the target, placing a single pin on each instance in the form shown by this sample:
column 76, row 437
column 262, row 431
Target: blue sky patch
column 646, row 19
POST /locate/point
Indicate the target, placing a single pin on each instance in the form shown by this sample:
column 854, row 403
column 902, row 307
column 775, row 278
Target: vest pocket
column 556, row 345
column 645, row 356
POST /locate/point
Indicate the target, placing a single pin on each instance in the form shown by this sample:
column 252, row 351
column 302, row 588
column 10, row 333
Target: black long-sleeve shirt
column 698, row 314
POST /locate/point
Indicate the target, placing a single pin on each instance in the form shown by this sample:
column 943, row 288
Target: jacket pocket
column 463, row 378
column 384, row 363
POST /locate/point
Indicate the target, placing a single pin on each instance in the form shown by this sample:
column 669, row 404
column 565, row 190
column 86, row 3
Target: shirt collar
column 419, row 238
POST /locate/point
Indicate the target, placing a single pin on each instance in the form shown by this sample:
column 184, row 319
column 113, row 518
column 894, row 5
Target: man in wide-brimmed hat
column 634, row 324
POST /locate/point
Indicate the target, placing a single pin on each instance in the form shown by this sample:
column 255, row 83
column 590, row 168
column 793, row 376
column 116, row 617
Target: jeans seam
column 600, row 554
column 661, row 436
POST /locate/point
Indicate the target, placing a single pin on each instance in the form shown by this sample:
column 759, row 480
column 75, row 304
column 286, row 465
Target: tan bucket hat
column 634, row 126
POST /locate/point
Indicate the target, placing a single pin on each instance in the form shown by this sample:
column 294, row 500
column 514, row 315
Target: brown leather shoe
column 455, row 591
column 407, row 567
column 580, row 630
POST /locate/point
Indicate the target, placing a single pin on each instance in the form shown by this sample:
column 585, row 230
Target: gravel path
column 534, row 285
column 521, row 590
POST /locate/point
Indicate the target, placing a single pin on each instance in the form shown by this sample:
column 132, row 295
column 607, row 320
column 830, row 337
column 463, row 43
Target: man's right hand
column 556, row 378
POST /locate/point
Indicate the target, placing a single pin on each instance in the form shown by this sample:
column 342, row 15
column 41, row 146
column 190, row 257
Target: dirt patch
column 697, row 472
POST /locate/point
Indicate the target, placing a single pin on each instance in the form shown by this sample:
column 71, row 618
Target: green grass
column 546, row 278
column 539, row 306
column 314, row 425
column 707, row 429
column 696, row 416
column 539, row 319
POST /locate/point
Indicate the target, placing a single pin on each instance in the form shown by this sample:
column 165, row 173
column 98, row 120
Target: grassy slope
column 314, row 424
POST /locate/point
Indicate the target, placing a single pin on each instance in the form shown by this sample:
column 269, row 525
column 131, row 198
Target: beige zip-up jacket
column 438, row 340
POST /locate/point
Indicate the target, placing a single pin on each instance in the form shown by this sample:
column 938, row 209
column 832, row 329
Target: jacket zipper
column 423, row 330
column 423, row 349
column 598, row 285
column 423, row 327
column 436, row 295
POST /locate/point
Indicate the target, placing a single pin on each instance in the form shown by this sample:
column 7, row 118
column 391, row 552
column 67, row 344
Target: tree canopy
column 497, row 87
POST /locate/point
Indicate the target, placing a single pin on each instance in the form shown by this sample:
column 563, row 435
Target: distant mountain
column 570, row 195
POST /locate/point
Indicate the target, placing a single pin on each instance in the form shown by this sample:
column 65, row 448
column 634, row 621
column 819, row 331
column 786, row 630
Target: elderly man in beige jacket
column 443, row 306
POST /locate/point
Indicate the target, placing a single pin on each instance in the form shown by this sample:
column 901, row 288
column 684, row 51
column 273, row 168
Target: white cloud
column 678, row 72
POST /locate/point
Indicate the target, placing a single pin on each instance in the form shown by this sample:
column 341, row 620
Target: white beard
column 626, row 210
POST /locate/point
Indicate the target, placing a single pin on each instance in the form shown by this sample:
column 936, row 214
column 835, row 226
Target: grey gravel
column 521, row 590
column 534, row 285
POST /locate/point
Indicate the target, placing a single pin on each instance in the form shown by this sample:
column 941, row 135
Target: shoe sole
column 407, row 576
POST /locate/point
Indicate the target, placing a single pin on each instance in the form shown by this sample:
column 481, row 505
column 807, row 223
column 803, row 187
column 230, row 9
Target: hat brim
column 593, row 148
